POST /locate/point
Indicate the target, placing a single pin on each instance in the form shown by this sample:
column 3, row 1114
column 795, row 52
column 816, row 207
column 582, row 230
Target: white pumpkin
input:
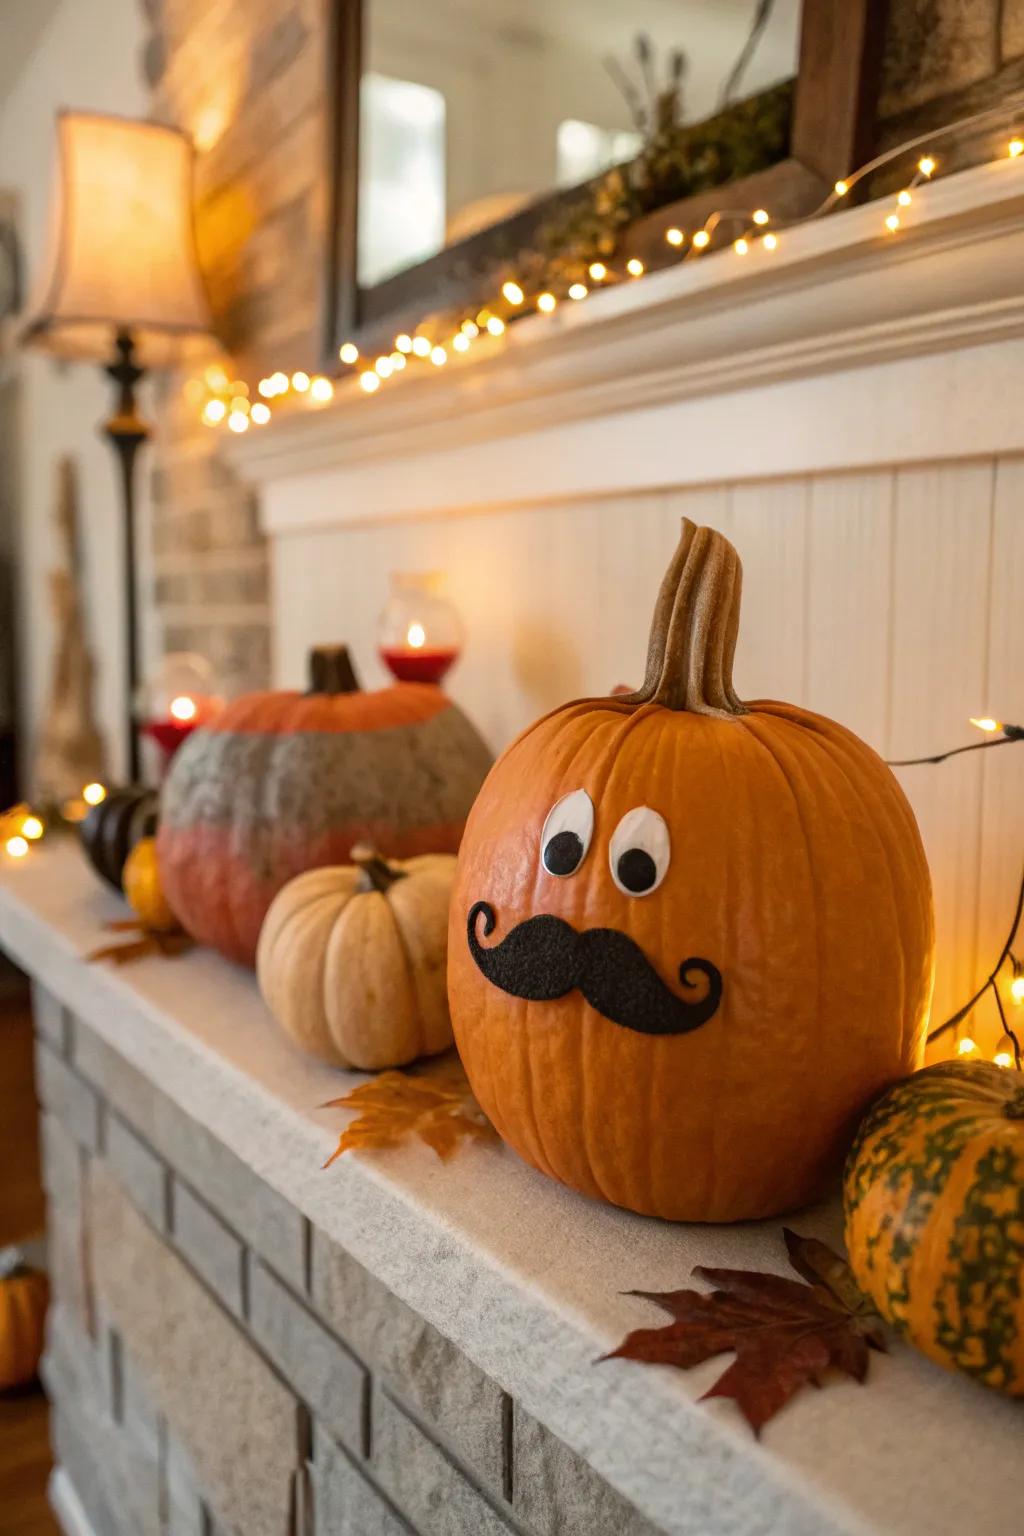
column 352, row 960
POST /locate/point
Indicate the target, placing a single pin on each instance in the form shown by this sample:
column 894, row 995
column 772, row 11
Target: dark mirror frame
column 835, row 100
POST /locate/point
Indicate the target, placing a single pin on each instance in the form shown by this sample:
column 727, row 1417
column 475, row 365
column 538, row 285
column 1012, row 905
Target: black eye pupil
column 636, row 870
column 562, row 853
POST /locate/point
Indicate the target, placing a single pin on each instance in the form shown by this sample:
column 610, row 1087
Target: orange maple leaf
column 440, row 1109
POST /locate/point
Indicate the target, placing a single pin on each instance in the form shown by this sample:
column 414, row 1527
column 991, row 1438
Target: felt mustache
column 544, row 957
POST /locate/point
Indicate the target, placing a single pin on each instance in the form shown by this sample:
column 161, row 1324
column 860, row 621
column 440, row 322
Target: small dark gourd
column 111, row 829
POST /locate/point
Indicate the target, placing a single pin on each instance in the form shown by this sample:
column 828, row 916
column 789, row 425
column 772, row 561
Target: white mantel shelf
column 719, row 368
column 526, row 1277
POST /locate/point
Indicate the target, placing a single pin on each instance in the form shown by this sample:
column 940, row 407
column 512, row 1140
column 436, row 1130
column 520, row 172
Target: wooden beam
column 834, row 113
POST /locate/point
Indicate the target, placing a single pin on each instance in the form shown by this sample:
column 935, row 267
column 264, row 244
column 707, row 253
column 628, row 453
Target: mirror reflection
column 472, row 109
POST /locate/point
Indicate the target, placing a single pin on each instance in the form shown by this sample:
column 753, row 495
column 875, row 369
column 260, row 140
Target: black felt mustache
column 544, row 957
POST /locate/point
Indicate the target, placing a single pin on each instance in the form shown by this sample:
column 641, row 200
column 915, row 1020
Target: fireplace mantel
column 649, row 383
column 523, row 1277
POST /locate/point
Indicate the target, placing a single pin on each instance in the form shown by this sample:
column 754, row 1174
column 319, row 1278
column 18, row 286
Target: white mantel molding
column 726, row 367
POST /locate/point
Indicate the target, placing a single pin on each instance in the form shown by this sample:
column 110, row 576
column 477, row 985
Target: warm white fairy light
column 966, row 1047
column 94, row 793
column 16, row 846
column 986, row 723
column 32, row 828
column 1016, row 985
column 1003, row 1057
column 220, row 400
column 260, row 413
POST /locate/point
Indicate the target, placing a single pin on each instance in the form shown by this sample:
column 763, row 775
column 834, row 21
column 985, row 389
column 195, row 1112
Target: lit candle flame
column 416, row 636
column 183, row 708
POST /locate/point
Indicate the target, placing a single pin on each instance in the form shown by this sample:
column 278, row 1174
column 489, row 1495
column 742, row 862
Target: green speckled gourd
column 934, row 1203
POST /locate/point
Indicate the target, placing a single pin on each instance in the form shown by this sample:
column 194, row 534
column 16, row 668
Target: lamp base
column 126, row 430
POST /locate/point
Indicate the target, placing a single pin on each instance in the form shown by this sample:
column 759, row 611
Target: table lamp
column 122, row 286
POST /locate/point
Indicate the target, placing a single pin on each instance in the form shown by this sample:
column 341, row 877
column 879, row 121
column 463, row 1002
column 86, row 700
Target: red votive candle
column 428, row 664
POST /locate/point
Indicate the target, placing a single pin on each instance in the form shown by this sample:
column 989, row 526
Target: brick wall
column 218, row 1365
column 246, row 78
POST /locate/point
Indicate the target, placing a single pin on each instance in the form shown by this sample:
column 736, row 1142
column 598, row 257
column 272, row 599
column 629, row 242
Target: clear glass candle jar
column 420, row 633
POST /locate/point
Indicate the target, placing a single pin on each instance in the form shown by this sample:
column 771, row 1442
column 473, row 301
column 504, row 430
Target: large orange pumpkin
column 689, row 937
column 284, row 782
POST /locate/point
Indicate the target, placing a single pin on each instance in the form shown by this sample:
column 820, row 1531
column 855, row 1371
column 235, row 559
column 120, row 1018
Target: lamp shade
column 122, row 242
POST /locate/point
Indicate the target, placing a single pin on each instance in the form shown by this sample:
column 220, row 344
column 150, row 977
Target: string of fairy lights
column 24, row 826
column 234, row 404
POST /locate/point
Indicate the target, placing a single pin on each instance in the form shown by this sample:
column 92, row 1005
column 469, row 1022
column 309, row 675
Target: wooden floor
column 24, row 1466
column 24, row 1431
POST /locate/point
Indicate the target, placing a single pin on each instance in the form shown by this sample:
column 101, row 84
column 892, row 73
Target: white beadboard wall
column 890, row 600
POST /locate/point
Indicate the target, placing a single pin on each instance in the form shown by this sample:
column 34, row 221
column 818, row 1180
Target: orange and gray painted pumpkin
column 690, row 937
column 933, row 1196
column 284, row 782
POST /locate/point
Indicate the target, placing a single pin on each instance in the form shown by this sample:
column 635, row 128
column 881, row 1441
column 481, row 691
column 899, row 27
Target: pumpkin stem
column 693, row 633
column 331, row 670
column 378, row 874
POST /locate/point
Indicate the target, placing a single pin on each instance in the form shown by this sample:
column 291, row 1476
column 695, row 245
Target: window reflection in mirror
column 472, row 109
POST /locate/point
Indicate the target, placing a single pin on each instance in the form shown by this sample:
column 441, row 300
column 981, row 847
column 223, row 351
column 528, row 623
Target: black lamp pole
column 127, row 431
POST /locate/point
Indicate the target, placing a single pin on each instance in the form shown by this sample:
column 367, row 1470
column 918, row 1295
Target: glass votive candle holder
column 420, row 634
column 180, row 696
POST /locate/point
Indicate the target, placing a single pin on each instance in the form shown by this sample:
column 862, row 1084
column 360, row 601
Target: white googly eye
column 568, row 828
column 640, row 852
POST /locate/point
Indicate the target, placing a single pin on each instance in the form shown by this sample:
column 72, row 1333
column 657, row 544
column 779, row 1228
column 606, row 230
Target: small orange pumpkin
column 24, row 1296
column 690, row 937
column 143, row 888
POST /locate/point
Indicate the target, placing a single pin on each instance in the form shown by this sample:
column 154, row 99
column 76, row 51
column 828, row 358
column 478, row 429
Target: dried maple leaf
column 146, row 942
column 440, row 1109
column 784, row 1334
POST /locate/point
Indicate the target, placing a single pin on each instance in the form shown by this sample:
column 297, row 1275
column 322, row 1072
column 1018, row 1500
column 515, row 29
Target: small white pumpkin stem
column 693, row 633
column 378, row 874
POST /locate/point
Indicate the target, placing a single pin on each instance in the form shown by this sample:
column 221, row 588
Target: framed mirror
column 460, row 131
